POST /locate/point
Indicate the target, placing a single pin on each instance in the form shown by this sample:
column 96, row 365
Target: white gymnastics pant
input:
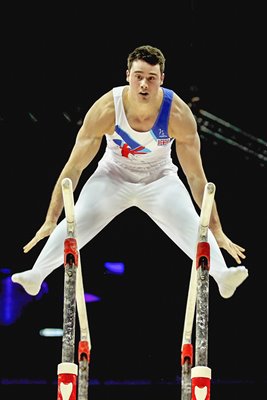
column 112, row 189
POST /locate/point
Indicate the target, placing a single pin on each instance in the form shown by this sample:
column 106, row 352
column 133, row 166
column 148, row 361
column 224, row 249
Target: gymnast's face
column 144, row 79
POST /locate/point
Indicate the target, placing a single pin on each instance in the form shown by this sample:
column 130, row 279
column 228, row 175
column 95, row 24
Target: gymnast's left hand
column 236, row 251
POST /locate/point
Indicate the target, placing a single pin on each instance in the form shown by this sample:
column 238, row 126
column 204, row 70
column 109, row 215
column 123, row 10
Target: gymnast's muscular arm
column 98, row 121
column 183, row 128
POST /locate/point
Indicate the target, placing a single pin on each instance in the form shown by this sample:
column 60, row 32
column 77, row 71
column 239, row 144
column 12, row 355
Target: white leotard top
column 131, row 147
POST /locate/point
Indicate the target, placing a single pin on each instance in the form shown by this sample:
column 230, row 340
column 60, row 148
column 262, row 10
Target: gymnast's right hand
column 45, row 230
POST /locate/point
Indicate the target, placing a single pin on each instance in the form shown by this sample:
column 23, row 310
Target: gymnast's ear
column 127, row 75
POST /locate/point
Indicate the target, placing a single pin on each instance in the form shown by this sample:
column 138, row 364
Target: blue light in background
column 13, row 297
column 115, row 267
column 90, row 298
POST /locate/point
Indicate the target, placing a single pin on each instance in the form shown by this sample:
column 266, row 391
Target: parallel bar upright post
column 67, row 369
column 197, row 301
column 84, row 347
column 201, row 373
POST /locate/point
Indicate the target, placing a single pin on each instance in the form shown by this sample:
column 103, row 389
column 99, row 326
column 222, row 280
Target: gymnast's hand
column 236, row 251
column 45, row 230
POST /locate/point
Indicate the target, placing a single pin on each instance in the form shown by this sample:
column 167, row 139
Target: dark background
column 55, row 62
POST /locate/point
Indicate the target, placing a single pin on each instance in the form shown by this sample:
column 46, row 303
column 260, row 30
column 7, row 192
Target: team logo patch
column 163, row 142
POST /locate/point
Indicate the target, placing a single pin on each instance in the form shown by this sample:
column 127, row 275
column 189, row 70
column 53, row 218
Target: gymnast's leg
column 100, row 200
column 169, row 204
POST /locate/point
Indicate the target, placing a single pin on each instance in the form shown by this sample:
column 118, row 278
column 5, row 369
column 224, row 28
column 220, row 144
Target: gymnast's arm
column 183, row 128
column 98, row 120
